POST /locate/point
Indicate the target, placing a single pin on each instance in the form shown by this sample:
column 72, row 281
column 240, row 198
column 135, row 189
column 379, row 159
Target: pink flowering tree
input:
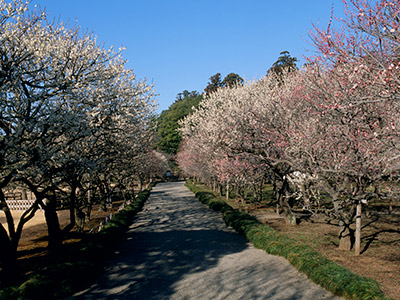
column 236, row 125
column 353, row 85
column 334, row 124
column 244, row 172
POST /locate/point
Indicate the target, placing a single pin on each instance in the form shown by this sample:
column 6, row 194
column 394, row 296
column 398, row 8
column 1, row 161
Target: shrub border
column 324, row 272
column 63, row 279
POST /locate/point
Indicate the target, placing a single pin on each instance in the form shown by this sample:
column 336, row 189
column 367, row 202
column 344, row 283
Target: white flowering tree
column 68, row 109
column 244, row 130
column 19, row 113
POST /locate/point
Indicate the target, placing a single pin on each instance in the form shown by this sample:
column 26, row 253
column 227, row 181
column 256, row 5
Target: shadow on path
column 179, row 249
column 151, row 262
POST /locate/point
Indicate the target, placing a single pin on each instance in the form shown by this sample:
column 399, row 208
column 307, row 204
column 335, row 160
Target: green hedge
column 328, row 274
column 80, row 266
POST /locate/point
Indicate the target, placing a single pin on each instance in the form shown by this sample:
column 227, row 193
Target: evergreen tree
column 216, row 82
column 232, row 79
column 285, row 63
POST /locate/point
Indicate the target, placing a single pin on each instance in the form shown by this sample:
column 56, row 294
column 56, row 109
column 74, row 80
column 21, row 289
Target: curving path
column 177, row 248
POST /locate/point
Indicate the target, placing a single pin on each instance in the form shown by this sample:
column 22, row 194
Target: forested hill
column 167, row 138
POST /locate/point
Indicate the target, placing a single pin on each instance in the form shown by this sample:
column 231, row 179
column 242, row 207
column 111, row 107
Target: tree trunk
column 140, row 184
column 24, row 194
column 306, row 198
column 245, row 193
column 345, row 236
column 80, row 217
column 227, row 191
column 290, row 216
column 102, row 195
column 8, row 245
column 53, row 225
column 9, row 241
column 8, row 258
column 285, row 208
column 283, row 195
column 72, row 206
column 124, row 195
column 258, row 192
column 357, row 243
column 108, row 189
column 89, row 205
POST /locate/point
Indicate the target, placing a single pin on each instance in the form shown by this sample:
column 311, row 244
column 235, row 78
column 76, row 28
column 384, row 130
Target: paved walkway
column 177, row 248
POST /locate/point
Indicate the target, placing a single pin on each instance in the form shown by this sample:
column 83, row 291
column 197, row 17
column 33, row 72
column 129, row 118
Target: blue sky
column 179, row 44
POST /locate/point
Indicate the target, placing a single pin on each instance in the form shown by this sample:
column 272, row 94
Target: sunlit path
column 179, row 249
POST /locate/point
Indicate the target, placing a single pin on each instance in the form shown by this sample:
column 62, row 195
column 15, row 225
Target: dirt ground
column 32, row 248
column 380, row 245
column 36, row 227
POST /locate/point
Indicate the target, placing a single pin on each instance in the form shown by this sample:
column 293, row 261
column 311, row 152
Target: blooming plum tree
column 336, row 121
column 68, row 109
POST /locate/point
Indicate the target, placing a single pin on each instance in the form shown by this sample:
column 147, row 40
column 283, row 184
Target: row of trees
column 74, row 121
column 331, row 127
